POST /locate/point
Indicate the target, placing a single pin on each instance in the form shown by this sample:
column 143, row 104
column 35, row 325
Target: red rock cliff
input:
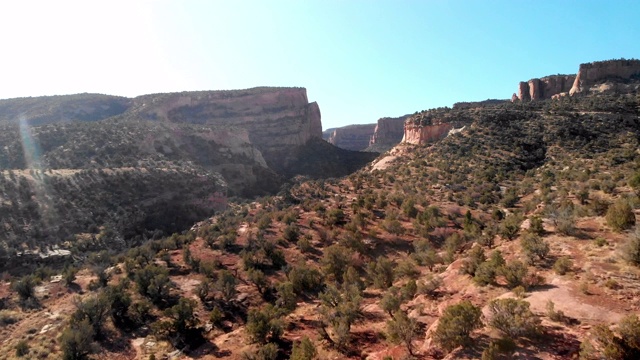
column 275, row 118
column 352, row 137
column 424, row 134
column 544, row 88
column 388, row 133
column 591, row 73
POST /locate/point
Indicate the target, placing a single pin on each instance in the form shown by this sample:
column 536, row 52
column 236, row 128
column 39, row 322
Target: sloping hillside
column 513, row 238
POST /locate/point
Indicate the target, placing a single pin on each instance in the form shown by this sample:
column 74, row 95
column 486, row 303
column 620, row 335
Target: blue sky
column 360, row 60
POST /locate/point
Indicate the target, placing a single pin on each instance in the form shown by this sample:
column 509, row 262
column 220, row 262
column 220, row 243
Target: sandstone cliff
column 253, row 138
column 326, row 134
column 387, row 134
column 352, row 137
column 425, row 134
column 591, row 73
column 275, row 118
column 544, row 88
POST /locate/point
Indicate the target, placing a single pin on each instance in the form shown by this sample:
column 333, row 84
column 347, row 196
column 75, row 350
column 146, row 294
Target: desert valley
column 227, row 224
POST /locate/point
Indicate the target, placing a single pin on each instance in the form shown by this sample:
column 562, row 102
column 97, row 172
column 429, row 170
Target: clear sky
column 360, row 60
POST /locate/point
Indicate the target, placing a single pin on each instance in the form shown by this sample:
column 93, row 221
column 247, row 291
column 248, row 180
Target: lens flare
column 36, row 177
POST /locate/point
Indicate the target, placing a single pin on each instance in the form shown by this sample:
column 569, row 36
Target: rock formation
column 326, row 134
column 352, row 137
column 555, row 86
column 591, row 73
column 275, row 118
column 425, row 134
column 387, row 134
column 544, row 88
column 254, row 138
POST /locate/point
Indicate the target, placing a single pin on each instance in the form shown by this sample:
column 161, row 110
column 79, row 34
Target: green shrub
column 286, row 297
column 153, row 282
column 226, row 285
column 25, row 288
column 535, row 226
column 456, row 324
column 380, row 273
column 304, row 244
column 631, row 249
column 335, row 261
column 563, row 265
column 391, row 301
column 634, row 183
column 534, row 248
column 303, row 350
column 514, row 273
column 402, row 329
column 513, row 318
column 305, row 279
column 500, row 346
column 182, row 316
column 264, row 325
column 22, row 348
column 291, row 233
column 600, row 242
column 510, row 226
column 8, row 317
column 620, row 216
column 474, row 260
column 76, row 341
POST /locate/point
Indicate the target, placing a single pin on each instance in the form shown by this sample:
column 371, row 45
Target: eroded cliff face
column 276, row 119
column 352, row 137
column 387, row 133
column 425, row 134
column 545, row 88
column 591, row 73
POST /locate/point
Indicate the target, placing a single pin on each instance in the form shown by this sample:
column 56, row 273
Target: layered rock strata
column 275, row 118
column 425, row 134
column 589, row 74
column 352, row 137
column 544, row 88
column 387, row 134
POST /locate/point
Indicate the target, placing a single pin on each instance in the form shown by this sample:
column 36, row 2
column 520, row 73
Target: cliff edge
column 589, row 74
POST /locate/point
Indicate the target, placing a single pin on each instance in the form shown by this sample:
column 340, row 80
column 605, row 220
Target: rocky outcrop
column 326, row 134
column 387, row 133
column 275, row 118
column 544, row 88
column 425, row 134
column 254, row 138
column 352, row 137
column 591, row 73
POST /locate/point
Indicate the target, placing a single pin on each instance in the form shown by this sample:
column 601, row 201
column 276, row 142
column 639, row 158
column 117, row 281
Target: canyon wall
column 387, row 133
column 425, row 134
column 275, row 118
column 591, row 73
column 545, row 88
column 352, row 137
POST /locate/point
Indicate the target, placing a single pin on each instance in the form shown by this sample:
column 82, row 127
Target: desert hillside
column 495, row 230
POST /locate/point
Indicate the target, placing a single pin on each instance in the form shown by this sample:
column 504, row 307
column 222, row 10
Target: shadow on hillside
column 543, row 287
